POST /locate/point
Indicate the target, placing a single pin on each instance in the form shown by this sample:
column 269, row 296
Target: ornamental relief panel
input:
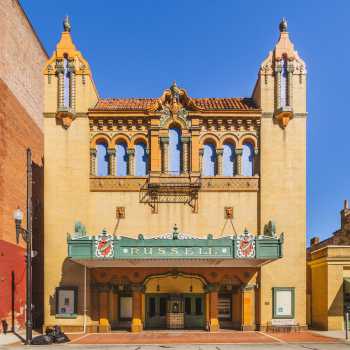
column 216, row 124
column 217, row 184
column 118, row 124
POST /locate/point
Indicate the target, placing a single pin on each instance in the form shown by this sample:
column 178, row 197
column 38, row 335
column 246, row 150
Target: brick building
column 22, row 58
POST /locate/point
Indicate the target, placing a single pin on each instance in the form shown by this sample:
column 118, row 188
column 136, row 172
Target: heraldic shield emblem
column 246, row 245
column 104, row 245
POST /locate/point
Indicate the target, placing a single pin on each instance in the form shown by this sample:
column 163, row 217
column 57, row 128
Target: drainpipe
column 84, row 325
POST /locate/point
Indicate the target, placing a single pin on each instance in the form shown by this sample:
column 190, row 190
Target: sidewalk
column 11, row 338
column 332, row 334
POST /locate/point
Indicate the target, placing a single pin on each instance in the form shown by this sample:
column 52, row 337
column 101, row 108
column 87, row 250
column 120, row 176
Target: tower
column 280, row 91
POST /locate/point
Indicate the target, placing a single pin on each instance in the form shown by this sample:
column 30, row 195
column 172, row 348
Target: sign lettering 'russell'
column 136, row 252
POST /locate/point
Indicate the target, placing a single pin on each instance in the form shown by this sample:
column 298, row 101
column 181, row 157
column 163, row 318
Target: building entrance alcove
column 175, row 302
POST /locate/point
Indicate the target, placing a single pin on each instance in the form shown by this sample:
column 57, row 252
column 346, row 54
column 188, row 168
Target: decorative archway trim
column 121, row 137
column 175, row 273
column 100, row 137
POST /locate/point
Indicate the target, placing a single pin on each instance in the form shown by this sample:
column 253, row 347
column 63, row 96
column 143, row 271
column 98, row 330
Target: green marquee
column 174, row 245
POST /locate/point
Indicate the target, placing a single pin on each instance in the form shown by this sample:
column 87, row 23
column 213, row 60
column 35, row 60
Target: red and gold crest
column 246, row 245
column 104, row 245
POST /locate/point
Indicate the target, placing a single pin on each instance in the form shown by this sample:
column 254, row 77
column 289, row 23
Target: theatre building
column 174, row 212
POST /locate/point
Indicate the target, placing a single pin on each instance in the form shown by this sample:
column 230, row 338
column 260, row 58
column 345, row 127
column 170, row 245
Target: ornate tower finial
column 283, row 25
column 174, row 89
column 66, row 24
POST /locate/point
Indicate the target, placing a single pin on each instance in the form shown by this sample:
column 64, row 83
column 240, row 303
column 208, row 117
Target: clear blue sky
column 214, row 48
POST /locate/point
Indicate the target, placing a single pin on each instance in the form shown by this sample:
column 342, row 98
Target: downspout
column 84, row 324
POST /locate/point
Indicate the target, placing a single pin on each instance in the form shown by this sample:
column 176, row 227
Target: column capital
column 219, row 151
column 238, row 151
column 256, row 151
column 111, row 151
column 130, row 152
column 278, row 66
column 137, row 287
column 185, row 139
column 247, row 287
column 212, row 287
column 59, row 67
column 201, row 151
column 290, row 67
column 164, row 139
column 93, row 151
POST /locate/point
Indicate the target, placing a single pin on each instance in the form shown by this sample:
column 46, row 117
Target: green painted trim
column 71, row 316
column 84, row 248
column 274, row 291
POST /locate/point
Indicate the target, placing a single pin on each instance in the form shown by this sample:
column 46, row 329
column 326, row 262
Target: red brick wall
column 22, row 59
column 12, row 284
column 18, row 132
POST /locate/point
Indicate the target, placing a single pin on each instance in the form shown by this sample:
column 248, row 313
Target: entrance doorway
column 175, row 311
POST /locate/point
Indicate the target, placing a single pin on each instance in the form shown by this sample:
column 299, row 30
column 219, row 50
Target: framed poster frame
column 63, row 289
column 275, row 292
column 123, row 295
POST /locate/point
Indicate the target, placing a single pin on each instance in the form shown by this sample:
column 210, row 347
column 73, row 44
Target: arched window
column 248, row 159
column 102, row 159
column 121, row 159
column 209, row 160
column 174, row 154
column 141, row 159
column 228, row 159
column 284, row 88
column 66, row 97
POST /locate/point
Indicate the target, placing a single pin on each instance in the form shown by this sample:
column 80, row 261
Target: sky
column 213, row 48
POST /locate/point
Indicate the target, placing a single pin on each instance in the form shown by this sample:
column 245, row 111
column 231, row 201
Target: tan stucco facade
column 328, row 271
column 276, row 189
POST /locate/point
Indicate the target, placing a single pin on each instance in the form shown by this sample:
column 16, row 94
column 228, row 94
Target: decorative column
column 195, row 167
column 148, row 161
column 278, row 71
column 111, row 163
column 164, row 148
column 290, row 70
column 136, row 322
column 72, row 100
column 155, row 156
column 185, row 154
column 104, row 325
column 60, row 82
column 201, row 152
column 248, row 308
column 239, row 153
column 213, row 322
column 131, row 162
column 219, row 154
column 256, row 162
column 93, row 162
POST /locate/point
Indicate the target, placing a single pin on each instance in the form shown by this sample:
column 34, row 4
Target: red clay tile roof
column 208, row 104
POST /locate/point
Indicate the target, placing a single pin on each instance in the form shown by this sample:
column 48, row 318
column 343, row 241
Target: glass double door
column 157, row 309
